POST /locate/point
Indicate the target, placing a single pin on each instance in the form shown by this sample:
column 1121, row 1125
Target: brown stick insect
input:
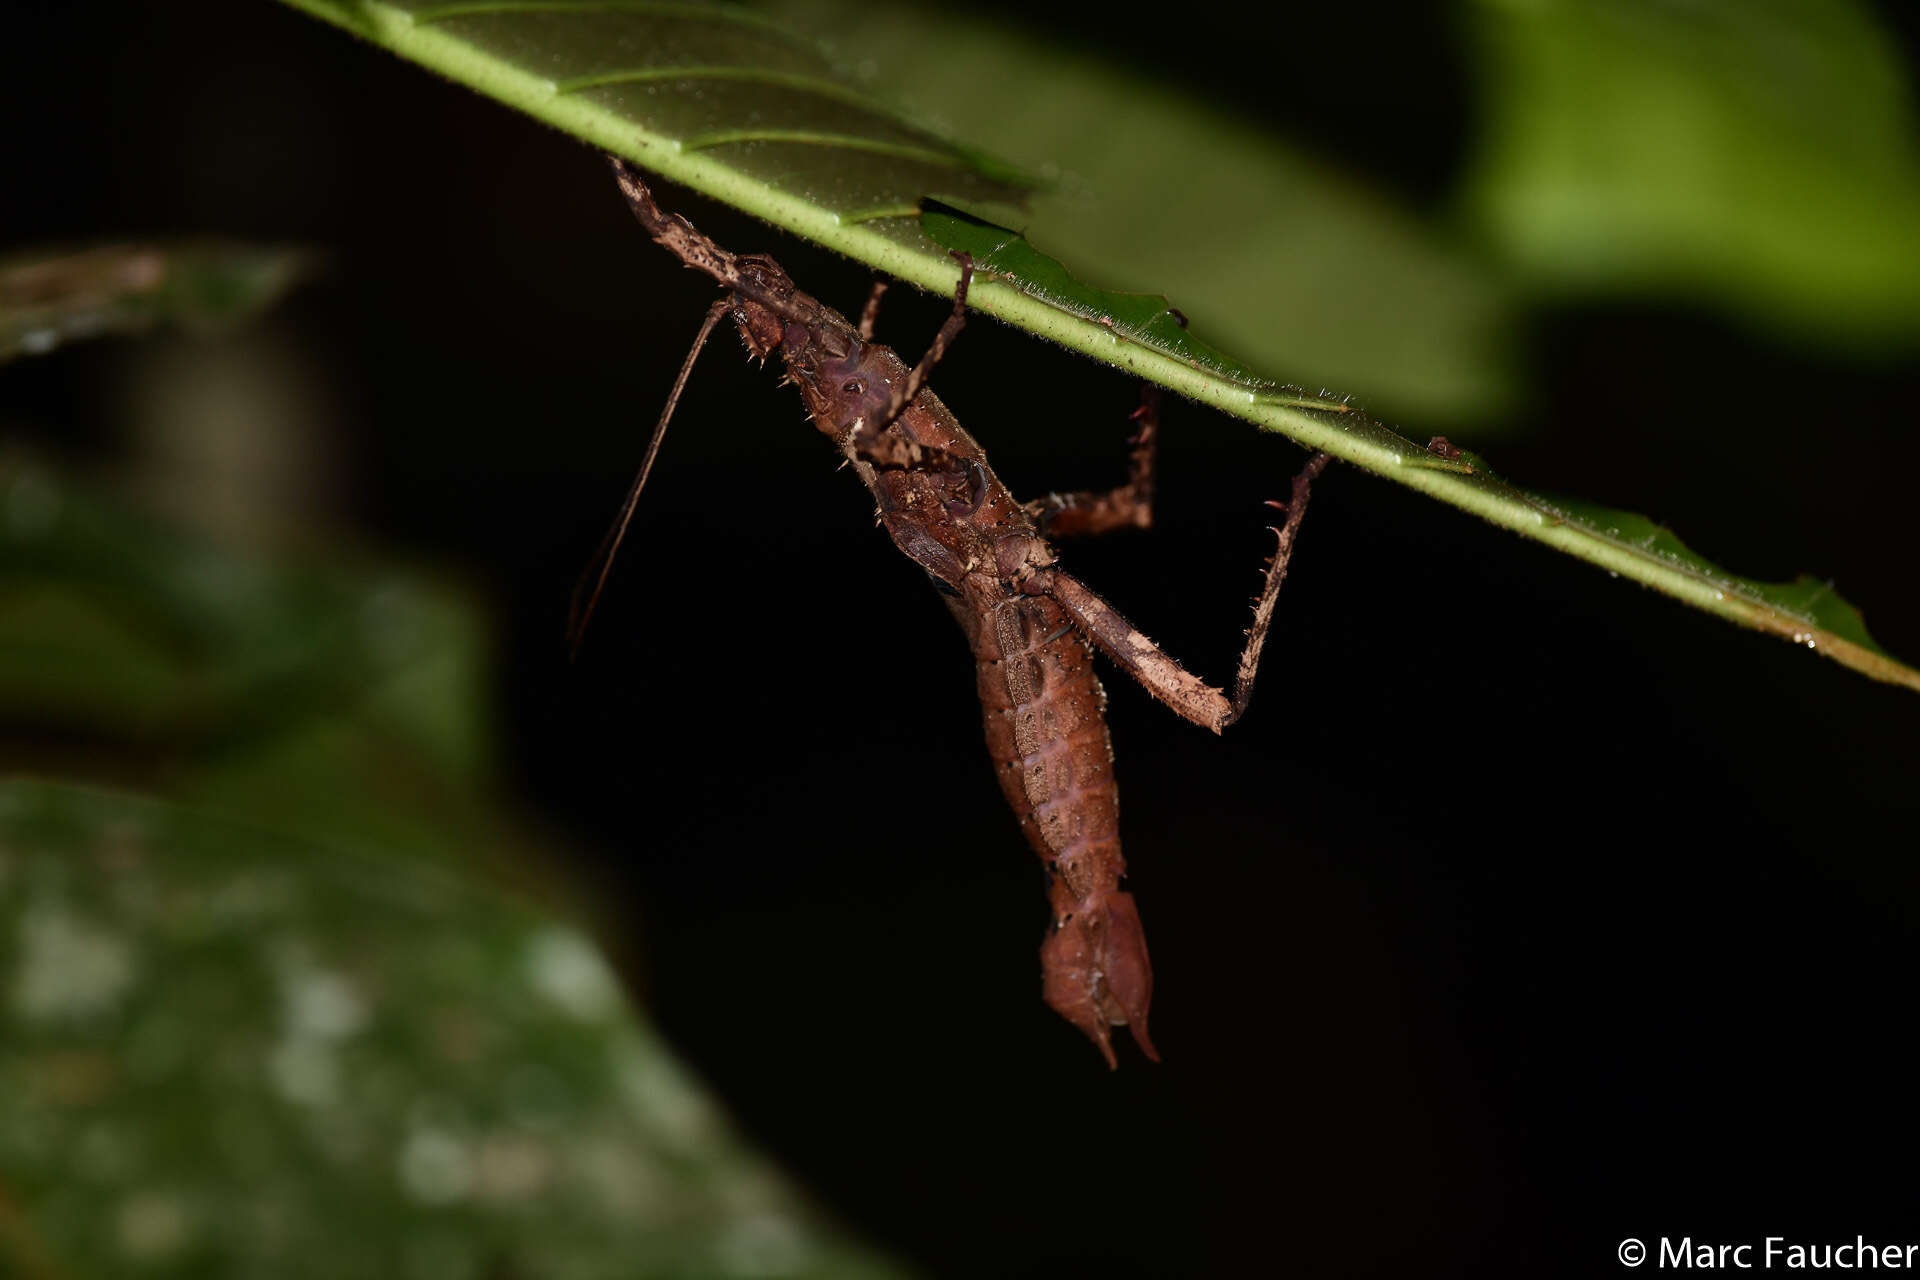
column 1030, row 624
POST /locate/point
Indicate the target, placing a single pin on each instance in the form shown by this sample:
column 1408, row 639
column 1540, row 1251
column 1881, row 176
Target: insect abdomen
column 1047, row 731
column 1047, row 735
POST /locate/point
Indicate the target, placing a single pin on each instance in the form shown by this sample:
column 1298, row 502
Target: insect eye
column 855, row 386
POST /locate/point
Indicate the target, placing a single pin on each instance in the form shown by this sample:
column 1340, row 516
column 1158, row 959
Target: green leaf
column 1804, row 611
column 1298, row 270
column 225, row 1052
column 50, row 298
column 845, row 176
column 1145, row 318
column 339, row 699
column 715, row 96
column 1757, row 154
column 289, row 997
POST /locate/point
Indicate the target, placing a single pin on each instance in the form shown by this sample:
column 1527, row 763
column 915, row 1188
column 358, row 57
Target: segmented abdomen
column 1047, row 735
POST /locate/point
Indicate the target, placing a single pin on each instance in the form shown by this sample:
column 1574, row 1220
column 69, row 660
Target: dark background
column 1528, row 910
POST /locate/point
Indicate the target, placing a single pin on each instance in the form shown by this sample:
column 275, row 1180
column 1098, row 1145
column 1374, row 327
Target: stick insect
column 1031, row 625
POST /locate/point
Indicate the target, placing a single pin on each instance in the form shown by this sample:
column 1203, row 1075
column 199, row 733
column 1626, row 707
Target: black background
column 1527, row 911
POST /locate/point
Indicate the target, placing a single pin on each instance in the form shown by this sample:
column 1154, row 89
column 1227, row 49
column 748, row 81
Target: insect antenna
column 586, row 595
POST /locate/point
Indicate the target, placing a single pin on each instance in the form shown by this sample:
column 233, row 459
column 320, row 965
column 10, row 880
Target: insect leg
column 750, row 276
column 871, row 312
column 869, row 440
column 1162, row 676
column 1127, row 506
column 903, row 395
column 1296, row 509
column 674, row 233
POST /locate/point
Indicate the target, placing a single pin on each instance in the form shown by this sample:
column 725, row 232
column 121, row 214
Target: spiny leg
column 751, row 276
column 903, row 395
column 869, row 440
column 1157, row 672
column 1296, row 509
column 871, row 312
column 674, row 233
column 1127, row 506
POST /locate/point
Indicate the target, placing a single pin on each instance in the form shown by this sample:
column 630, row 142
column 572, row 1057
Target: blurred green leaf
column 640, row 79
column 1759, row 154
column 224, row 1052
column 47, row 298
column 289, row 998
column 340, row 700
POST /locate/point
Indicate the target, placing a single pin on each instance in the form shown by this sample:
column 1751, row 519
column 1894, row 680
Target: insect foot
column 1094, row 969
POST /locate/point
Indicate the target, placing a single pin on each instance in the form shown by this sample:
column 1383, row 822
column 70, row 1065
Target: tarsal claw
column 1095, row 972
